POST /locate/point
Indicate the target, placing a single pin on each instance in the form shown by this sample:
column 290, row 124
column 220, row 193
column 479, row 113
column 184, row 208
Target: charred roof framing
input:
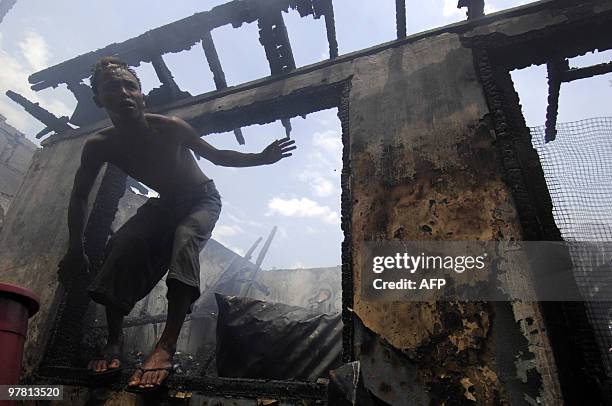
column 180, row 36
column 183, row 34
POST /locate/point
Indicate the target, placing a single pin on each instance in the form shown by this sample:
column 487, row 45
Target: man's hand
column 278, row 150
column 75, row 263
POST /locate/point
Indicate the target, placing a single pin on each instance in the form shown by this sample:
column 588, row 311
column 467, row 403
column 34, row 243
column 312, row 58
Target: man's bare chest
column 146, row 156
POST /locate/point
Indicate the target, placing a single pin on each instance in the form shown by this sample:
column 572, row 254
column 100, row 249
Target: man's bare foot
column 154, row 370
column 110, row 358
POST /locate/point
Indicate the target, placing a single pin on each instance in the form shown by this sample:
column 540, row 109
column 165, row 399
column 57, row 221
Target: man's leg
column 183, row 281
column 179, row 301
column 114, row 344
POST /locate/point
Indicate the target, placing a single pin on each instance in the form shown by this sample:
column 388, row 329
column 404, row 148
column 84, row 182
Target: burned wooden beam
column 400, row 18
column 178, row 36
column 164, row 75
column 475, row 8
column 275, row 40
column 50, row 120
column 169, row 91
column 239, row 136
column 286, row 122
column 175, row 37
column 586, row 72
column 260, row 259
column 560, row 72
column 555, row 73
column 210, row 51
column 326, row 8
column 213, row 60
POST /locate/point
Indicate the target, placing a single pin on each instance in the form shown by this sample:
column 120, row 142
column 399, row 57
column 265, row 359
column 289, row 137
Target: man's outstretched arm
column 84, row 179
column 274, row 152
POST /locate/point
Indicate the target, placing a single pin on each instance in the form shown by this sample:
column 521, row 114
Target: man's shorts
column 165, row 235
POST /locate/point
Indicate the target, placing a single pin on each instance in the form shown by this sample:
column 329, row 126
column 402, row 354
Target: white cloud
column 34, row 49
column 33, row 55
column 329, row 141
column 322, row 173
column 303, row 207
column 320, row 184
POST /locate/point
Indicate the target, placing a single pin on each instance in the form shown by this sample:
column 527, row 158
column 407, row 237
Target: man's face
column 119, row 93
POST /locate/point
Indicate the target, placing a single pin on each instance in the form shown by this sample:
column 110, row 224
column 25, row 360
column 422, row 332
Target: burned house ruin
column 435, row 147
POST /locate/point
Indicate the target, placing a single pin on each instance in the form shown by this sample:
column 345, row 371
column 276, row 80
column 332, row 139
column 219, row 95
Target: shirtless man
column 168, row 232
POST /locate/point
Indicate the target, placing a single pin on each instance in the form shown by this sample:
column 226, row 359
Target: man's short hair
column 109, row 63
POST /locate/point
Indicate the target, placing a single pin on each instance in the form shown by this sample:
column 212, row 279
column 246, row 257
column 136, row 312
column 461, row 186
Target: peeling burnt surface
column 580, row 365
column 63, row 347
column 211, row 386
column 442, row 365
column 510, row 342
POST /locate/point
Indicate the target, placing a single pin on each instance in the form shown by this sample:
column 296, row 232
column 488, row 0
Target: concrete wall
column 15, row 154
column 423, row 166
column 34, row 237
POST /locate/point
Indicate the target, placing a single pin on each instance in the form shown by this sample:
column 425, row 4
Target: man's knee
column 188, row 235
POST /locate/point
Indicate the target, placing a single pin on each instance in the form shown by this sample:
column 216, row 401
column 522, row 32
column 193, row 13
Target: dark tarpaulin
column 262, row 340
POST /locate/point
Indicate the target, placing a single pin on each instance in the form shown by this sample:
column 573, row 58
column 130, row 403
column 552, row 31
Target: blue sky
column 301, row 195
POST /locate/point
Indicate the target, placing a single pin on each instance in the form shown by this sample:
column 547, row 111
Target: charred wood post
column 475, row 8
column 169, row 91
column 586, row 72
column 218, row 75
column 555, row 71
column 559, row 72
column 326, row 8
column 400, row 18
column 164, row 75
column 260, row 258
column 213, row 60
column 275, row 40
column 51, row 122
column 273, row 36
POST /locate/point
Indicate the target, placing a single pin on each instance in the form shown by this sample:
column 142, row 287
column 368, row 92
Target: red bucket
column 17, row 305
